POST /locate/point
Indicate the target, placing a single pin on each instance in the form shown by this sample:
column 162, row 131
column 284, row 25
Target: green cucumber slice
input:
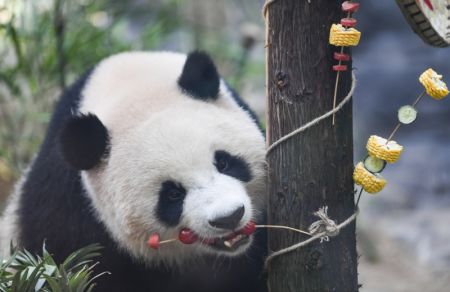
column 407, row 114
column 374, row 164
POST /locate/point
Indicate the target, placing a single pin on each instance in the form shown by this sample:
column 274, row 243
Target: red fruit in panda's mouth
column 153, row 241
column 187, row 236
column 249, row 229
column 229, row 242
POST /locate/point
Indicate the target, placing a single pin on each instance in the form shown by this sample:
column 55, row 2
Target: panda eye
column 231, row 165
column 222, row 163
column 175, row 194
column 170, row 202
column 172, row 191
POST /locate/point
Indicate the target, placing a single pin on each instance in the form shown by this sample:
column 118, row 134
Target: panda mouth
column 230, row 243
column 233, row 241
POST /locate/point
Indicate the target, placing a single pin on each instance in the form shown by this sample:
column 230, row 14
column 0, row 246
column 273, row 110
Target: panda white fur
column 148, row 143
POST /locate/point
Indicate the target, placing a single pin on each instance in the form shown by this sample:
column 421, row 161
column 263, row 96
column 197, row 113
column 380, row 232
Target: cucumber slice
column 374, row 164
column 407, row 114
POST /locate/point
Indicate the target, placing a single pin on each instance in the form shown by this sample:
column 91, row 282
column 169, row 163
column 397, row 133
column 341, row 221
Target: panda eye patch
column 173, row 191
column 222, row 163
column 232, row 165
column 170, row 202
column 175, row 194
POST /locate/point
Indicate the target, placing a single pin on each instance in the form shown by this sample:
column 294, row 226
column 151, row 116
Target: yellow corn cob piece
column 370, row 182
column 341, row 36
column 435, row 87
column 380, row 148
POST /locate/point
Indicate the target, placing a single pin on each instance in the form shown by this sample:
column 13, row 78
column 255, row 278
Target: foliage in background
column 30, row 75
column 24, row 272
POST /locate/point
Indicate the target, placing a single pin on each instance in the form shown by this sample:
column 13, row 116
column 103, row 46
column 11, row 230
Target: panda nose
column 230, row 221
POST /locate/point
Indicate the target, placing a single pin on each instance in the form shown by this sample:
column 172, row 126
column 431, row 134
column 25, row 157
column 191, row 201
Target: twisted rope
column 316, row 120
column 322, row 229
column 325, row 224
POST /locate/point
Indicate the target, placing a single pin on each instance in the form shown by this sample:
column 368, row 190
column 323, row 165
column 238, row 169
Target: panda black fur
column 82, row 187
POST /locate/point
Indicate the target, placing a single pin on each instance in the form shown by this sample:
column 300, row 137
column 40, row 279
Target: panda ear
column 84, row 141
column 199, row 77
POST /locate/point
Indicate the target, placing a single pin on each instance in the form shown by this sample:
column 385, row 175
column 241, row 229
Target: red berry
column 249, row 229
column 153, row 241
column 341, row 57
column 340, row 67
column 348, row 22
column 187, row 236
column 349, row 6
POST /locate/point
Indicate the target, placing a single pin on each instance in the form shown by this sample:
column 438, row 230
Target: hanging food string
column 382, row 151
column 187, row 236
column 343, row 35
column 434, row 87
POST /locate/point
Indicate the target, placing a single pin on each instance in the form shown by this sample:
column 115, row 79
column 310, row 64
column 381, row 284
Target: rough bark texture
column 313, row 169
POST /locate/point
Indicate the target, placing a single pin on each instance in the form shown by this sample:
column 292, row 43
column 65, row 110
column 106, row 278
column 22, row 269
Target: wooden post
column 314, row 168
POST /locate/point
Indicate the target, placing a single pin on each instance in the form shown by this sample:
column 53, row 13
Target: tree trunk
column 314, row 168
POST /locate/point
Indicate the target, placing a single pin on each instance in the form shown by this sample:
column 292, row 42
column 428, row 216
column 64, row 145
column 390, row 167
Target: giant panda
column 148, row 143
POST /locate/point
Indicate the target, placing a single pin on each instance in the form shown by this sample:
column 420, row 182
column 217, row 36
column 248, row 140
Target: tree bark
column 314, row 168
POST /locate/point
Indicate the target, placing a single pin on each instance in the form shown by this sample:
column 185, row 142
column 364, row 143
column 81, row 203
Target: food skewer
column 187, row 236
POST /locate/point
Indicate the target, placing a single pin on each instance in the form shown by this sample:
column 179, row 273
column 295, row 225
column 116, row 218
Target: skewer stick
column 168, row 240
column 336, row 85
column 359, row 197
column 338, row 74
column 399, row 124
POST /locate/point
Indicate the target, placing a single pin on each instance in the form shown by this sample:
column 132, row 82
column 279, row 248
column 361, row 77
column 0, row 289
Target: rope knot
column 324, row 225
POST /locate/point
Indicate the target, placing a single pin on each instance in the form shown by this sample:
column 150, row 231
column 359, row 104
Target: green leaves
column 25, row 272
column 33, row 57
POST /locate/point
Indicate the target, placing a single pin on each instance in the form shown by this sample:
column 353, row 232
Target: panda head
column 162, row 146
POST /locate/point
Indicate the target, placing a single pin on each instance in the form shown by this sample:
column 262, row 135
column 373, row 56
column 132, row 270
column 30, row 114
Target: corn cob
column 341, row 36
column 433, row 84
column 371, row 183
column 380, row 148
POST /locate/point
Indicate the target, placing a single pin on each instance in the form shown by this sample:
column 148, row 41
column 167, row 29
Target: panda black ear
column 84, row 141
column 199, row 77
